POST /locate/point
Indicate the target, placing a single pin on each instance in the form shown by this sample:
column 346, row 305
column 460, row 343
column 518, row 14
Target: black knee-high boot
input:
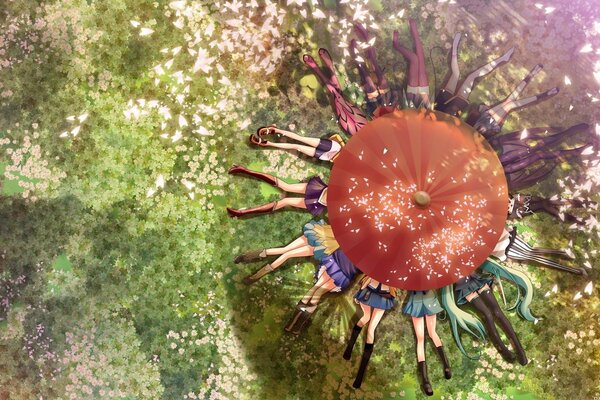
column 364, row 361
column 490, row 327
column 425, row 385
column 445, row 363
column 505, row 324
column 353, row 336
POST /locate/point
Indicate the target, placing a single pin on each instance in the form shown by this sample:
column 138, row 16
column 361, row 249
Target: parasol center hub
column 422, row 198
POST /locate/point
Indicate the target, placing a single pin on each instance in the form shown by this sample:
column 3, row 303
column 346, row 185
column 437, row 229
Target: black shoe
column 445, row 363
column 353, row 336
column 425, row 385
column 363, row 365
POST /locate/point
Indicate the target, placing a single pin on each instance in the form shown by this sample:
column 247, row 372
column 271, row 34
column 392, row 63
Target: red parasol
column 417, row 199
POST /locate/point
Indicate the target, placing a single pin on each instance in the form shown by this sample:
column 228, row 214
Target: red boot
column 239, row 170
column 264, row 209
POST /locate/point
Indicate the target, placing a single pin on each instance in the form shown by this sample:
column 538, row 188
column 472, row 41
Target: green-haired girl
column 477, row 290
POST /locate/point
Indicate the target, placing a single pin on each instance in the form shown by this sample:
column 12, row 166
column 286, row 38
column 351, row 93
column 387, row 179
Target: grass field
column 118, row 122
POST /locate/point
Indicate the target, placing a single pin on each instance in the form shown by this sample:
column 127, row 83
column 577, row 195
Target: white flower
column 203, row 61
column 146, row 31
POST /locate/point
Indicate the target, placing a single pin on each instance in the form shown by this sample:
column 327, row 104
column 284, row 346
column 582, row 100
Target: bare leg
column 309, row 151
column 376, row 316
column 292, row 187
column 431, row 322
column 366, row 315
column 304, row 251
column 297, row 202
column 312, row 142
column 467, row 86
column 299, row 242
column 324, row 285
column 307, row 306
column 419, row 327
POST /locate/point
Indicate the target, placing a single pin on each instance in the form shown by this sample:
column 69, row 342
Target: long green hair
column 471, row 324
column 523, row 283
column 460, row 318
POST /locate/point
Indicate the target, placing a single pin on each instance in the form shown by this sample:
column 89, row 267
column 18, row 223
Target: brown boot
column 239, row 170
column 298, row 322
column 250, row 256
column 264, row 209
column 258, row 274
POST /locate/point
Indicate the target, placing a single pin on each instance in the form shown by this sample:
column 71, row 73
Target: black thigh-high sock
column 490, row 327
column 505, row 324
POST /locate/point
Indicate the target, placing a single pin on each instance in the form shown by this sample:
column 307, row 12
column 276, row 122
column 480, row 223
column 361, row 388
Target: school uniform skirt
column 327, row 149
column 339, row 268
column 421, row 303
column 375, row 297
column 314, row 189
column 469, row 284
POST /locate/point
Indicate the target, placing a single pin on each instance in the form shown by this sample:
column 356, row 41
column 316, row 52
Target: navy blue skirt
column 324, row 146
column 314, row 189
column 339, row 267
column 375, row 298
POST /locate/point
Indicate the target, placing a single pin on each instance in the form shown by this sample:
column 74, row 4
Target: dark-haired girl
column 321, row 149
column 314, row 191
column 522, row 205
